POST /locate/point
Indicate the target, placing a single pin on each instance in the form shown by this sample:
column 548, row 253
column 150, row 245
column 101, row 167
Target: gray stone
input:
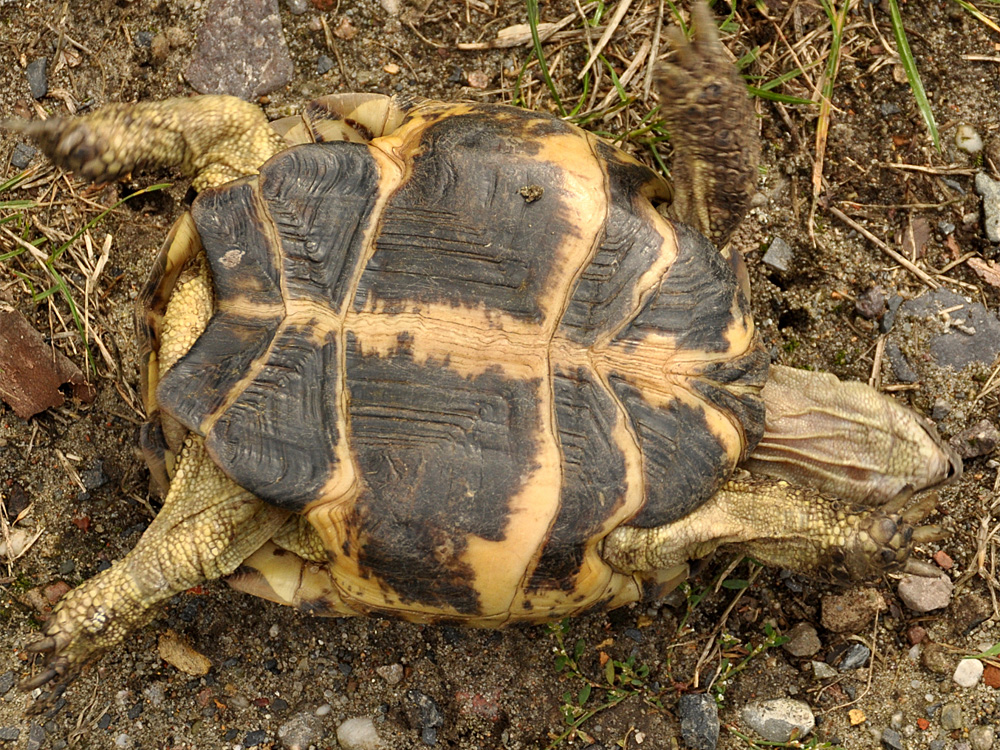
column 989, row 190
column 979, row 440
column 359, row 734
column 301, row 731
column 10, row 734
column 38, row 80
column 855, row 657
column 951, row 716
column 981, row 737
column 968, row 673
column 391, row 673
column 22, row 155
column 7, row 680
column 241, row 50
column 699, row 715
column 324, row 64
column 823, row 671
column 972, row 334
column 36, row 737
column 143, row 39
column 297, row 7
column 802, row 640
column 900, row 364
column 891, row 739
column 924, row 594
column 779, row 256
column 777, row 719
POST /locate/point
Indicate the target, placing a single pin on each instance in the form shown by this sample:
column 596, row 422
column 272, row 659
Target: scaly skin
column 790, row 527
column 712, row 125
column 215, row 138
column 208, row 526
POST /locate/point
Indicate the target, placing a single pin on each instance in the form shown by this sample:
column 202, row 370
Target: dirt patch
column 78, row 467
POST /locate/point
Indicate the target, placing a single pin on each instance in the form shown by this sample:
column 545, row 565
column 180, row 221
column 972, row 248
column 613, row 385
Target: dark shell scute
column 233, row 229
column 694, row 301
column 199, row 383
column 683, row 462
column 460, row 232
column 321, row 198
column 279, row 436
column 594, row 475
column 442, row 456
column 604, row 294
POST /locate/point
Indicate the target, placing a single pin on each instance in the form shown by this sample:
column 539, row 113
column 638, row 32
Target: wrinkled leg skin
column 207, row 527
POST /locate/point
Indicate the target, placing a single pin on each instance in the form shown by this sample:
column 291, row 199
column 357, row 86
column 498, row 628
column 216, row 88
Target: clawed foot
column 882, row 538
column 87, row 621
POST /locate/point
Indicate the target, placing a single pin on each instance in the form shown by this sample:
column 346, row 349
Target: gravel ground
column 279, row 678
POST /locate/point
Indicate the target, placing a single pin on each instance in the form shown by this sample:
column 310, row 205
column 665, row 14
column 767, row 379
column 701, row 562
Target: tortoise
column 467, row 363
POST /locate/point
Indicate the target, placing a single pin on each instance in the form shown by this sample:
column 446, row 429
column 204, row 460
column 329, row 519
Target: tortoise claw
column 922, row 569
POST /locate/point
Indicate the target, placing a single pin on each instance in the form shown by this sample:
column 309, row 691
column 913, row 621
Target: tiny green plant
column 17, row 215
column 588, row 696
column 736, row 658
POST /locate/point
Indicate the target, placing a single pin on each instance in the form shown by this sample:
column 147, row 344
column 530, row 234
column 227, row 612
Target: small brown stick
column 616, row 19
column 902, row 260
column 648, row 82
column 625, row 77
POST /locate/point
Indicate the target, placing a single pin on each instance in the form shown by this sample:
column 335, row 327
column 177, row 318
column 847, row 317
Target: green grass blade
column 912, row 74
column 532, row 7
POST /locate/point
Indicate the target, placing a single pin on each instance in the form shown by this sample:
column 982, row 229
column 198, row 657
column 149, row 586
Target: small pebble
column 851, row 612
column 936, row 659
column 989, row 190
column 779, row 256
column 143, row 38
column 22, row 155
column 9, row 734
column 870, row 303
column 891, row 739
column 951, row 716
column 124, row 741
column 981, row 737
column 391, row 673
column 359, row 734
column 297, row 7
column 699, row 715
column 37, row 77
column 980, row 439
column 301, row 731
column 7, row 680
column 777, row 719
column 36, row 736
column 802, row 640
column 823, row 671
column 924, row 594
column 967, row 139
column 855, row 657
column 254, row 738
column 324, row 64
column 968, row 673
